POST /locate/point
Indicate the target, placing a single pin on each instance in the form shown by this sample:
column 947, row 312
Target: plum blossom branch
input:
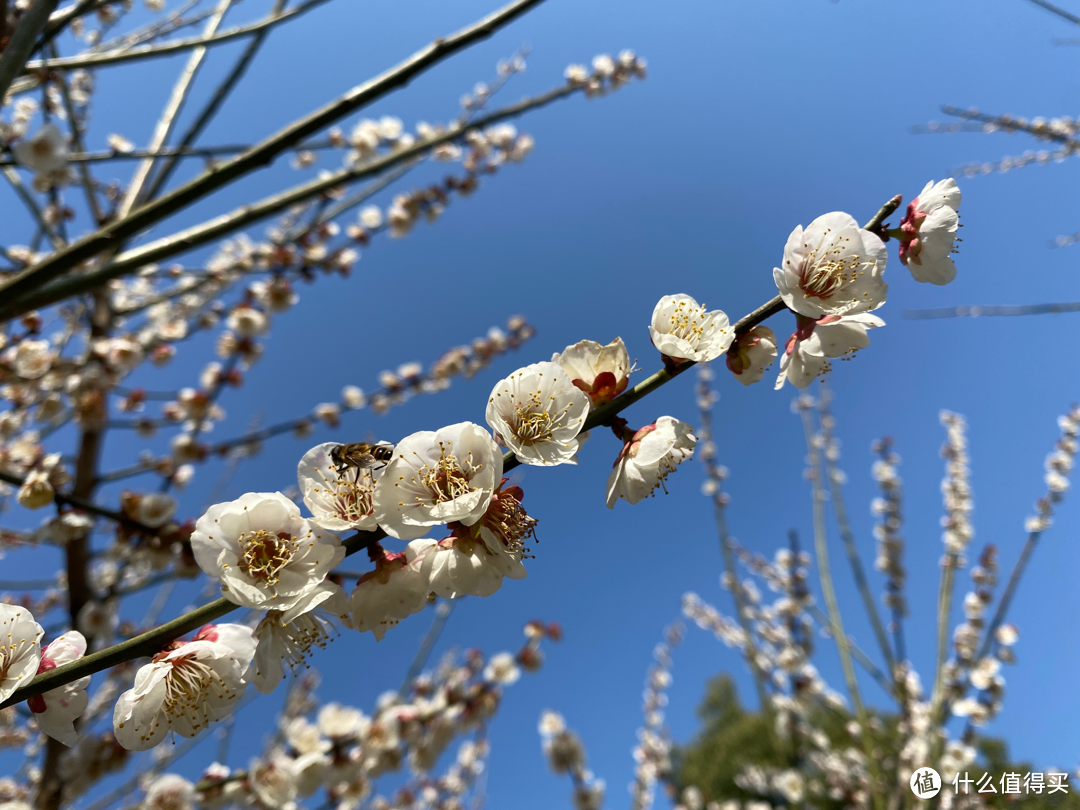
column 151, row 642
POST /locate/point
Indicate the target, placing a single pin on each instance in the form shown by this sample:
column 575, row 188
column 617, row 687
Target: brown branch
column 260, row 155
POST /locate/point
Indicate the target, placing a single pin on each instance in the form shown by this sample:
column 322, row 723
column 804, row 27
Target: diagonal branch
column 135, row 191
column 21, row 44
column 259, row 155
column 245, row 215
column 152, row 641
column 95, row 60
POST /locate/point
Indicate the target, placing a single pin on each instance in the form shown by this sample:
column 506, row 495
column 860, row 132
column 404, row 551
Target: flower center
column 188, row 688
column 11, row 652
column 42, row 148
column 299, row 636
column 686, row 322
column 826, row 269
column 263, row 555
column 447, row 480
column 533, row 423
column 507, row 519
column 348, row 495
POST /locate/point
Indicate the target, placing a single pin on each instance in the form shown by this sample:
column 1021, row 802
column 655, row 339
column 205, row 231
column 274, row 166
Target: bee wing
column 362, row 460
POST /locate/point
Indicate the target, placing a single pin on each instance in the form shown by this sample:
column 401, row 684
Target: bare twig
column 260, row 155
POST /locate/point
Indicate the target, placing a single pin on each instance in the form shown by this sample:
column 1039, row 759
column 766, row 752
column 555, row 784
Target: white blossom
column 56, row 710
column 928, row 233
column 339, row 501
column 502, row 669
column 538, row 413
column 600, row 371
column 35, row 492
column 683, row 329
column 281, row 642
column 752, row 354
column 834, row 267
column 395, row 590
column 186, row 688
column 264, row 553
column 805, row 360
column 170, row 792
column 649, row 456
column 32, row 358
column 437, row 477
column 46, row 152
column 20, row 653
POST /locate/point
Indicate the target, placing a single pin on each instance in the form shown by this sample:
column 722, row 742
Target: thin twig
column 167, row 120
column 245, row 215
column 851, row 548
column 836, row 622
column 212, row 106
column 259, row 155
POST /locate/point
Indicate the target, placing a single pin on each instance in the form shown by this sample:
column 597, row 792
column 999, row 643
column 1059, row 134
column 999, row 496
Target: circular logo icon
column 925, row 783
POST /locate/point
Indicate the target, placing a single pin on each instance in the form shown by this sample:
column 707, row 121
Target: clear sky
column 756, row 117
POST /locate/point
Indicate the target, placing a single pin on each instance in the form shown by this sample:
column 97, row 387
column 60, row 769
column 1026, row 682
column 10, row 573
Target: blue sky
column 756, row 117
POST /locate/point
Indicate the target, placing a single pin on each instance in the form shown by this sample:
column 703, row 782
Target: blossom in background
column 682, row 329
column 36, row 492
column 752, row 354
column 56, row 710
column 287, row 638
column 502, row 669
column 537, row 413
column 31, row 358
column 395, row 590
column 264, row 553
column 339, row 501
column 20, row 652
column 834, row 267
column 806, row 359
column 185, row 688
column 928, row 233
column 647, row 458
column 437, row 477
column 46, row 152
column 170, row 792
column 600, row 371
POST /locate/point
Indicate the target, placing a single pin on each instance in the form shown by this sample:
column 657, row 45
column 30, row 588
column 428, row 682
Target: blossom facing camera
column 648, row 457
column 264, row 553
column 339, row 501
column 537, row 412
column 57, row 710
column 682, row 329
column 45, row 153
column 602, row 372
column 185, row 688
column 437, row 477
column 927, row 233
column 752, row 354
column 834, row 267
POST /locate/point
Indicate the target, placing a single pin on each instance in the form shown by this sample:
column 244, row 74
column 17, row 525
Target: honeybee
column 360, row 456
